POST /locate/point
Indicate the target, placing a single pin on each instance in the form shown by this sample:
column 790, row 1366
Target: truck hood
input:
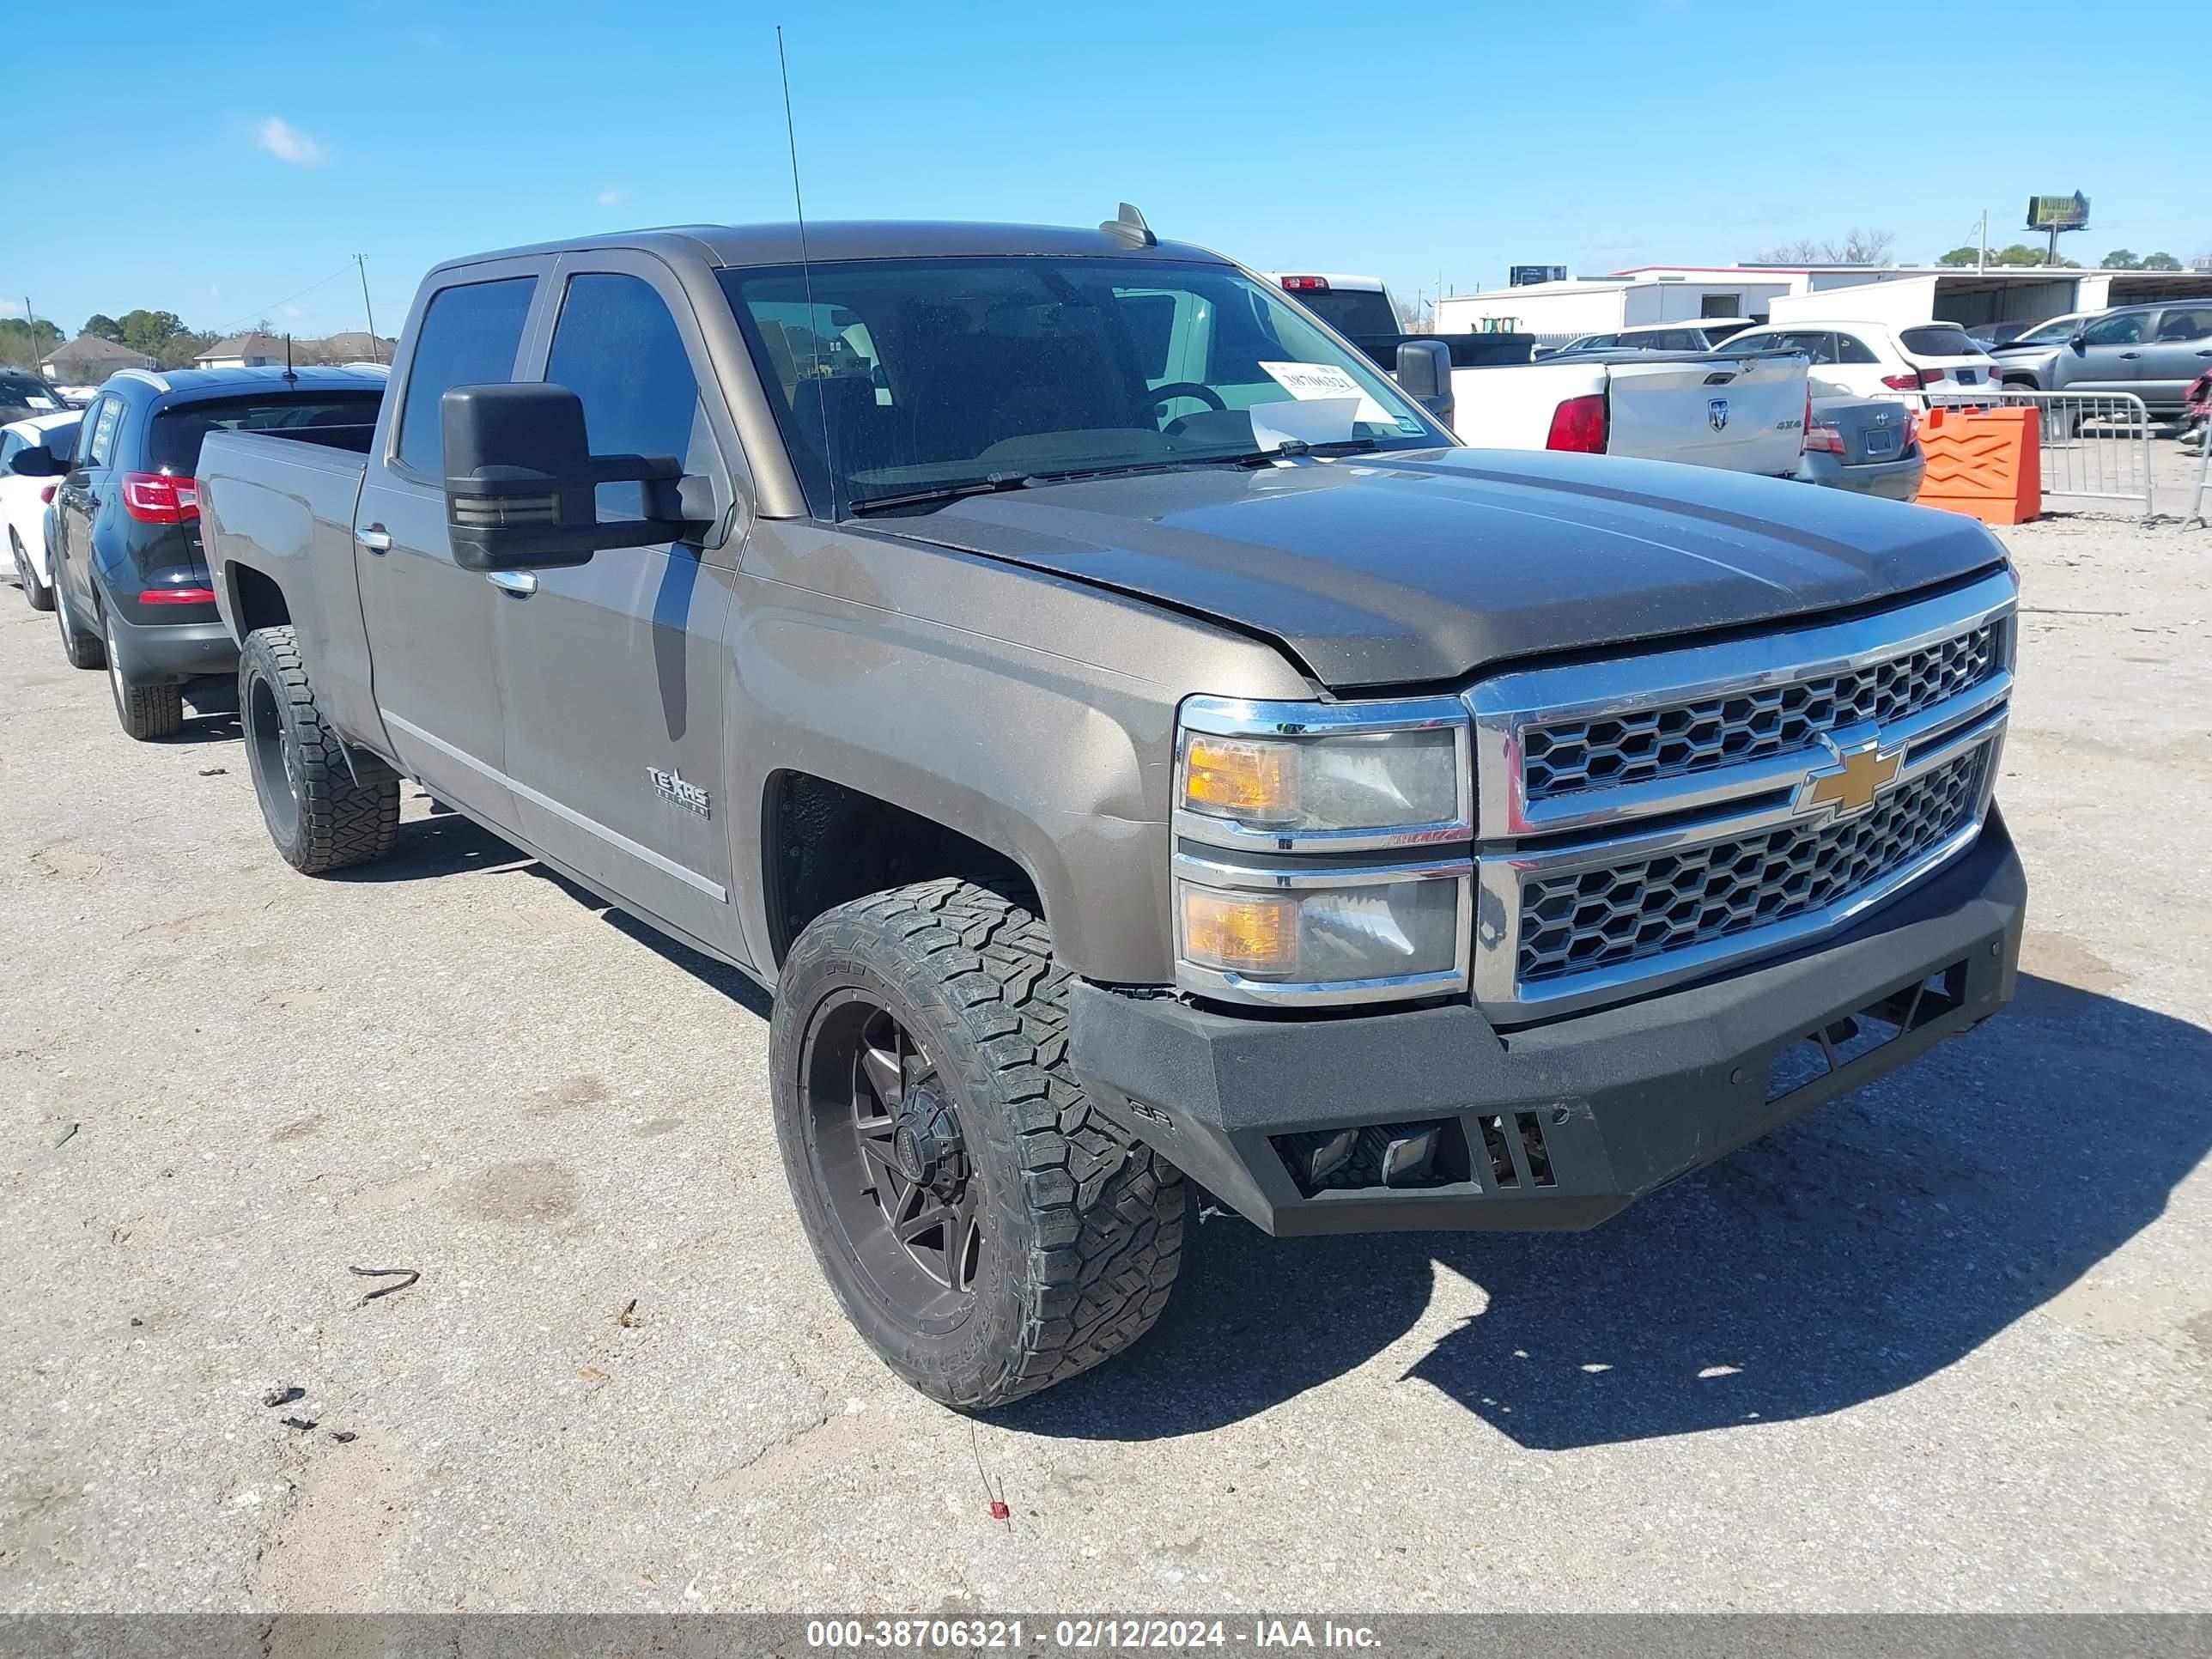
column 1427, row 566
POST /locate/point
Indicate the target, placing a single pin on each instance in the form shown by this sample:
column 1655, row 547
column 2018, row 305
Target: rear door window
column 1850, row 349
column 470, row 336
column 2185, row 323
column 100, row 447
column 172, row 444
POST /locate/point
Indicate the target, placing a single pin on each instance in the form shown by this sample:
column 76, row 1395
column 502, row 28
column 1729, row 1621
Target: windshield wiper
column 1295, row 446
column 989, row 484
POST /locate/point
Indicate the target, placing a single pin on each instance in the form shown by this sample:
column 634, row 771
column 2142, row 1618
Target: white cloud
column 293, row 311
column 11, row 308
column 609, row 197
column 288, row 144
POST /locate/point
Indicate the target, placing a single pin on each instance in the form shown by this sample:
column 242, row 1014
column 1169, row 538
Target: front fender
column 1030, row 714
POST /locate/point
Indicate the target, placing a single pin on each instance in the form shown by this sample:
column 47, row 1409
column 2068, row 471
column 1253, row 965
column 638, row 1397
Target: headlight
column 1270, row 797
column 1306, row 776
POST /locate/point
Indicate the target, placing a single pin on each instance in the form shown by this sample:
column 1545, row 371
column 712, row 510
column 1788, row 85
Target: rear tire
column 36, row 593
column 937, row 1010
column 320, row 815
column 147, row 712
column 84, row 650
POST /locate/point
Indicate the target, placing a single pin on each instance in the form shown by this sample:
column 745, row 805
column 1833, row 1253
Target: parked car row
column 2152, row 351
column 102, row 513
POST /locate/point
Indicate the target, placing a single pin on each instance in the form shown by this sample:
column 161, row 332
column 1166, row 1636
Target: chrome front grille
column 1678, row 738
column 1622, row 913
column 1647, row 821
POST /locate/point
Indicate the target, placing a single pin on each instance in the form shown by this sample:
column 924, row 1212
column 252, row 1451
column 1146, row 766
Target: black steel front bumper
column 1560, row 1125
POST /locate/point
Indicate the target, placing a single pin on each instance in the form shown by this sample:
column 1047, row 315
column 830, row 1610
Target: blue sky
column 267, row 144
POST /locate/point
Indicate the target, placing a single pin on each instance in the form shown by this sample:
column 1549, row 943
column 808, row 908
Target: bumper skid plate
column 1434, row 1119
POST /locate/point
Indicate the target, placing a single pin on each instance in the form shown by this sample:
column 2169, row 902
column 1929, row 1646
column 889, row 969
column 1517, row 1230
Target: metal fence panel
column 2095, row 445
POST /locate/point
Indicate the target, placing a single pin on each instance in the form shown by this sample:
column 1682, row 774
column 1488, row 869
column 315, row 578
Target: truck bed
column 1742, row 412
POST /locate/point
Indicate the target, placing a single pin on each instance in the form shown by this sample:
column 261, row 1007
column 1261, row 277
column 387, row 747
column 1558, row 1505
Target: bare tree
column 1856, row 248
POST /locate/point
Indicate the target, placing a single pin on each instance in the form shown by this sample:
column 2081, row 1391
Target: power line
column 259, row 311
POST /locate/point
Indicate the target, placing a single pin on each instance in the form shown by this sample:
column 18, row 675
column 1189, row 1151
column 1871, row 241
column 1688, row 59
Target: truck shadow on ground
column 1863, row 1248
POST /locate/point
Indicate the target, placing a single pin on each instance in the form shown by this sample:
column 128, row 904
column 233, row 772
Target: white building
column 1898, row 294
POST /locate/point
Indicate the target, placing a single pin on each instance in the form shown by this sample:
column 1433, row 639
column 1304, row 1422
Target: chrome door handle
column 373, row 537
column 520, row 583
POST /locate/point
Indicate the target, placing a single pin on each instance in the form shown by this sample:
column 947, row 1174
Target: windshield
column 2057, row 332
column 926, row 373
column 1354, row 311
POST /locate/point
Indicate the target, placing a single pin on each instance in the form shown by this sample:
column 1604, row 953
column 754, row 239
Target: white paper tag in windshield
column 1303, row 420
column 1306, row 381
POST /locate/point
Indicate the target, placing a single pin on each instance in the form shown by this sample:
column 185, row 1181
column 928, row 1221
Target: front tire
column 147, row 712
column 989, row 1233
column 36, row 593
column 321, row 816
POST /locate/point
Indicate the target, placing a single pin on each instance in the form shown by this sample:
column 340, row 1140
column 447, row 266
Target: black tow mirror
column 38, row 462
column 1424, row 374
column 522, row 483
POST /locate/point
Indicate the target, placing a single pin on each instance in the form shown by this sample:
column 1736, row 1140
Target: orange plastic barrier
column 1985, row 463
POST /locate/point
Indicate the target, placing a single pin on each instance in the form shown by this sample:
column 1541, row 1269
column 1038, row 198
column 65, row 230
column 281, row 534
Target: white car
column 24, row 501
column 1872, row 360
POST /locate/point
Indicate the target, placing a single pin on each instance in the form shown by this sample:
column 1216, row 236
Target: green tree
column 102, row 326
column 21, row 343
column 2120, row 259
column 2020, row 254
column 181, row 349
column 1960, row 256
column 150, row 330
column 2159, row 262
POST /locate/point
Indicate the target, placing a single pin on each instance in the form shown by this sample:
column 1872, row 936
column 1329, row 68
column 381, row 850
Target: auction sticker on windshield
column 1306, row 381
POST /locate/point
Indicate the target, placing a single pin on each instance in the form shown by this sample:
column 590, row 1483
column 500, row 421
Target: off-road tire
column 147, row 712
column 1082, row 1229
column 337, row 821
column 36, row 593
column 84, row 650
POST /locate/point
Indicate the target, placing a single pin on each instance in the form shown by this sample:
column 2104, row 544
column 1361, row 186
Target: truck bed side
column 277, row 517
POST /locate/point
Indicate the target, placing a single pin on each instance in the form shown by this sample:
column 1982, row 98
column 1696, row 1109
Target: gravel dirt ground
column 1945, row 1344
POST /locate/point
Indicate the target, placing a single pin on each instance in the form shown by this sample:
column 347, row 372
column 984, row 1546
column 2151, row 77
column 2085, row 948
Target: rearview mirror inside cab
column 522, row 484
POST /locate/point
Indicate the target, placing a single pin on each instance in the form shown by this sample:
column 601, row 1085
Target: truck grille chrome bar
column 1647, row 821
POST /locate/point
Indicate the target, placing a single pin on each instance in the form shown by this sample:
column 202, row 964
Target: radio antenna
column 806, row 280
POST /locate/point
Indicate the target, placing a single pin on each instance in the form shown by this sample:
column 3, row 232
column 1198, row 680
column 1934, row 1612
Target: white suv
column 1872, row 360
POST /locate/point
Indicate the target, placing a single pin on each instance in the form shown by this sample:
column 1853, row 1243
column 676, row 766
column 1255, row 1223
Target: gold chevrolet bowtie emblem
column 1852, row 786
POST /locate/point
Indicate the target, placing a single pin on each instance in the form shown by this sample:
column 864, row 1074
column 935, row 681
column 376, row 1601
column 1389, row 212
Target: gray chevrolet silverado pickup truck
column 1136, row 744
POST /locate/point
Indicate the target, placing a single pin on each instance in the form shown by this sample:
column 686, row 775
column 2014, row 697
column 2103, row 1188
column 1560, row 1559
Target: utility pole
column 1982, row 247
column 375, row 347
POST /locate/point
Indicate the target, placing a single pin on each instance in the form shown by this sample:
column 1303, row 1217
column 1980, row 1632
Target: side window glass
column 100, row 447
column 1850, row 349
column 618, row 350
column 2193, row 323
column 469, row 336
column 2115, row 331
column 10, row 448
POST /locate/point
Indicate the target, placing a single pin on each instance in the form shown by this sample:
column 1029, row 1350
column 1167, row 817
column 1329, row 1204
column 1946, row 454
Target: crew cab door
column 432, row 662
column 2110, row 356
column 76, row 505
column 616, row 671
column 2179, row 349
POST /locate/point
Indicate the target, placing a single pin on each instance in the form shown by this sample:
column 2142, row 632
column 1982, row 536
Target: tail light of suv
column 160, row 497
column 1578, row 424
column 1912, row 380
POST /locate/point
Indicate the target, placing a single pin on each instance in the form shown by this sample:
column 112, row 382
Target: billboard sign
column 2058, row 212
column 1522, row 276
